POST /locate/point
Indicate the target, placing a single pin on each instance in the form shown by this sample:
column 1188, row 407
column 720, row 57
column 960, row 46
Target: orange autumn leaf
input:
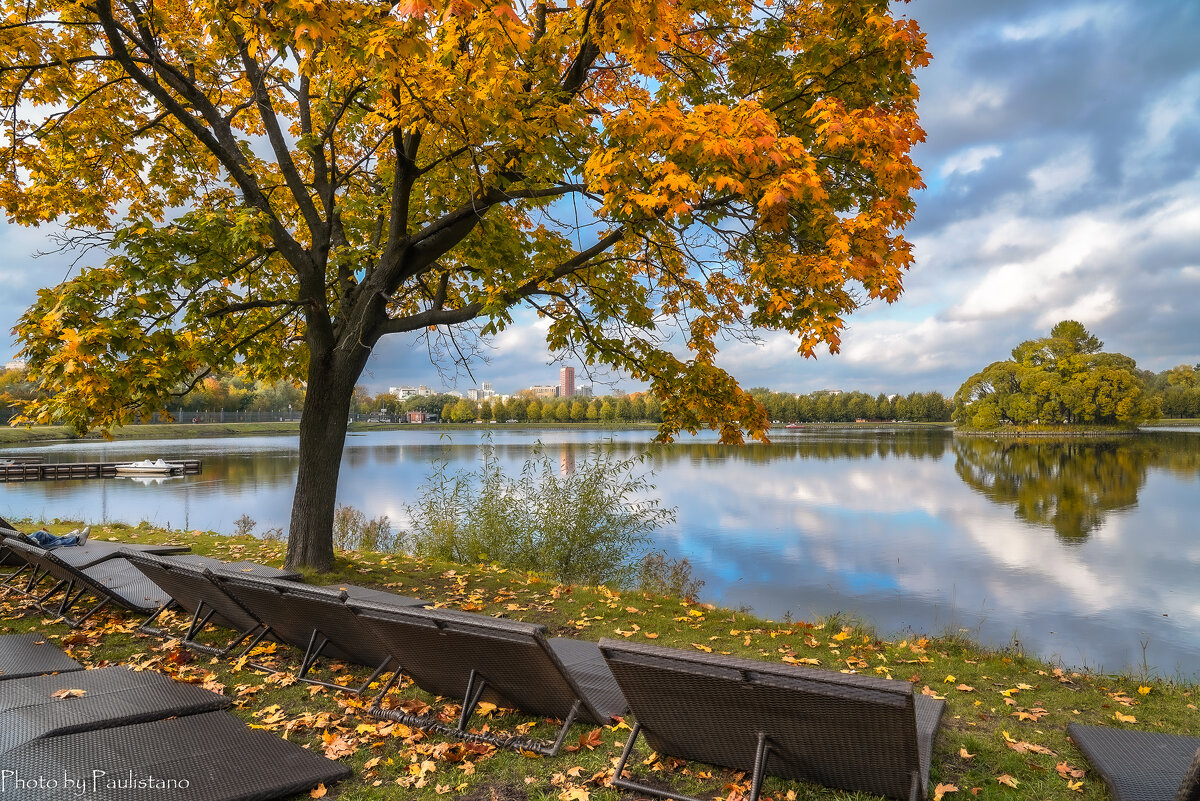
column 940, row 791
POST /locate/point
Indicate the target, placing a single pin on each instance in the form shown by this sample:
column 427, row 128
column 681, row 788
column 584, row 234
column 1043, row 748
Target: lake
column 1086, row 552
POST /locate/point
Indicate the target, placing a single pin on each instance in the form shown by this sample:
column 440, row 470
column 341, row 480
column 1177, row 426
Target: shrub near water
column 585, row 525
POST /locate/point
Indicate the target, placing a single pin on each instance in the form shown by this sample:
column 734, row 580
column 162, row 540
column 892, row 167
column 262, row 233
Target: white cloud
column 1063, row 21
column 1064, row 174
column 969, row 160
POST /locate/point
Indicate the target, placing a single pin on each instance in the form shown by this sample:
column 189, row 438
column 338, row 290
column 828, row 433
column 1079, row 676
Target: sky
column 1062, row 163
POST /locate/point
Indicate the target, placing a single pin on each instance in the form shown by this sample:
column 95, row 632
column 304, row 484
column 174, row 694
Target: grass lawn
column 1003, row 735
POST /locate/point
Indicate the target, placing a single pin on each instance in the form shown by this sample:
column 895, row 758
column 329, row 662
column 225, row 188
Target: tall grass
column 588, row 525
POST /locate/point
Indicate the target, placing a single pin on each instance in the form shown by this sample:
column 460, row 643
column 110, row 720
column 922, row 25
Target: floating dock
column 63, row 470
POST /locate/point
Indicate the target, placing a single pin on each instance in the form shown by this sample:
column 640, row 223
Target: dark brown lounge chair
column 1142, row 765
column 211, row 756
column 505, row 662
column 114, row 581
column 190, row 581
column 30, row 654
column 92, row 552
column 43, row 706
column 851, row 732
column 315, row 620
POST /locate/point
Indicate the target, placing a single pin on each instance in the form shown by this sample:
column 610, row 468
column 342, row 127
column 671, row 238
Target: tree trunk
column 323, row 425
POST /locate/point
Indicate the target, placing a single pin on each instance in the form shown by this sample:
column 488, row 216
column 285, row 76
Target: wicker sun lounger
column 211, row 756
column 30, row 654
column 850, row 732
column 49, row 706
column 505, row 662
column 89, row 554
column 191, row 583
column 1142, row 765
column 316, row 620
column 114, row 581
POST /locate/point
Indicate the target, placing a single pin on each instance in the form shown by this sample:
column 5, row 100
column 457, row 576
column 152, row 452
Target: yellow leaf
column 1124, row 718
column 949, row 680
column 942, row 789
column 318, row 792
column 1143, row 690
column 1004, row 778
column 962, row 752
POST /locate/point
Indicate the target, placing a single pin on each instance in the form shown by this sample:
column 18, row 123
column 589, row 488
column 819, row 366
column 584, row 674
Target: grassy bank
column 1003, row 735
column 35, row 434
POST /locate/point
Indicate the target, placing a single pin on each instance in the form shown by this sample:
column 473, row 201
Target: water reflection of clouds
column 883, row 528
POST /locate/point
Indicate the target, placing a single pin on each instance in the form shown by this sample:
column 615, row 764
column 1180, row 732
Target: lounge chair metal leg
column 53, row 591
column 146, row 628
column 378, row 672
column 761, row 754
column 471, row 698
column 13, row 576
column 90, row 612
column 475, row 687
column 397, row 675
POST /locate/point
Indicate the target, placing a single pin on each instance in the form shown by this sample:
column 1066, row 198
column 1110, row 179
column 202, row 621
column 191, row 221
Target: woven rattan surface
column 30, row 654
column 1137, row 765
column 207, row 757
column 47, row 706
column 245, row 568
column 439, row 648
column 380, row 597
column 586, row 665
column 128, row 586
column 845, row 731
column 187, row 583
column 295, row 611
column 93, row 552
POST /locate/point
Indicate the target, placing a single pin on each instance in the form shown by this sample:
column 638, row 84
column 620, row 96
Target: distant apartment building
column 566, row 382
column 484, row 392
column 404, row 393
column 584, row 391
column 548, row 391
column 16, row 364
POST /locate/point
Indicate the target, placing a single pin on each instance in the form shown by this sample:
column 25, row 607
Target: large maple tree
column 272, row 186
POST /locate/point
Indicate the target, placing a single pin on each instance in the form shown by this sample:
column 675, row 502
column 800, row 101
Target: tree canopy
column 1062, row 379
column 271, row 188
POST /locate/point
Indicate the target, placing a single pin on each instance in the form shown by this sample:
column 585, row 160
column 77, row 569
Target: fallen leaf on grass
column 318, row 792
column 1124, row 718
column 1004, row 778
column 962, row 752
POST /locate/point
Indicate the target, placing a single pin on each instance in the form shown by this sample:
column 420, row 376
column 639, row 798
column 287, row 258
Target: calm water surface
column 1087, row 553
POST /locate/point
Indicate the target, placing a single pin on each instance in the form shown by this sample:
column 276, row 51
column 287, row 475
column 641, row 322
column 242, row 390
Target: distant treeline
column 1177, row 389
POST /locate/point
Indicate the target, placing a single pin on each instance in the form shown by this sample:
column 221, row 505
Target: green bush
column 582, row 526
column 352, row 531
column 659, row 575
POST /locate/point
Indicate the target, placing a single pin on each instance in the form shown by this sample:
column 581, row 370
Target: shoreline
column 154, row 431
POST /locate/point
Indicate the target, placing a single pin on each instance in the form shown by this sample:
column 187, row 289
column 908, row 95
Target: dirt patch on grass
column 506, row 791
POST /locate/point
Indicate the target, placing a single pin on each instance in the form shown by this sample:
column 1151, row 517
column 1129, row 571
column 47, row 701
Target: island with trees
column 1062, row 382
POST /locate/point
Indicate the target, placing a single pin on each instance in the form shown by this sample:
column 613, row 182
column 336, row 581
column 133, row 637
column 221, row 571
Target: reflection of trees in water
column 923, row 444
column 1068, row 486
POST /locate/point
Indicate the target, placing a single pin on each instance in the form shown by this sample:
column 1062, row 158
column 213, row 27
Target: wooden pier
column 64, row 470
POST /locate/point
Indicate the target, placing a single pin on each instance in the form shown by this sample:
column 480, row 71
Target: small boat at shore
column 147, row 467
